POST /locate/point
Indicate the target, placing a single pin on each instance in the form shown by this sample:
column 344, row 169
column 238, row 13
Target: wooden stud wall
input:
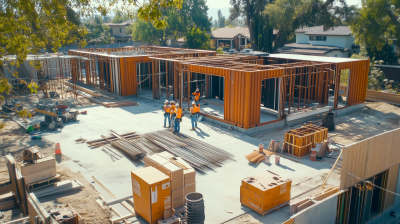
column 370, row 157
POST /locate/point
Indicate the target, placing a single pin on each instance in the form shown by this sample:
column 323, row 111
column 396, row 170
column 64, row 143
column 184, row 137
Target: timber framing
column 285, row 83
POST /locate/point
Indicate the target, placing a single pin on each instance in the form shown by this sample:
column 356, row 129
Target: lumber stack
column 258, row 156
column 126, row 103
column 323, row 149
column 300, row 141
column 93, row 93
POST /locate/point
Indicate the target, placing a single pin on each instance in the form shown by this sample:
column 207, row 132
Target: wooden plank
column 128, row 206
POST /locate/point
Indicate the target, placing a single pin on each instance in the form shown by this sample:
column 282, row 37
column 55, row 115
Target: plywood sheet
column 369, row 157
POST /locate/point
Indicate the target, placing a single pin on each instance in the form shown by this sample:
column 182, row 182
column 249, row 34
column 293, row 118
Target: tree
column 258, row 23
column 179, row 23
column 221, row 19
column 117, row 18
column 289, row 15
column 386, row 54
column 197, row 39
column 98, row 33
column 28, row 26
column 376, row 23
column 215, row 24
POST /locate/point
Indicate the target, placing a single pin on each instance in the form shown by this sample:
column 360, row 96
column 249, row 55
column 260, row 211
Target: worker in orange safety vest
column 178, row 112
column 172, row 113
column 194, row 113
column 196, row 95
column 167, row 111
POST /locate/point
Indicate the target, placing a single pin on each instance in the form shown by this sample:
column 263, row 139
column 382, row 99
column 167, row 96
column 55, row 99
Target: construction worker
column 196, row 95
column 172, row 112
column 178, row 118
column 167, row 111
column 193, row 115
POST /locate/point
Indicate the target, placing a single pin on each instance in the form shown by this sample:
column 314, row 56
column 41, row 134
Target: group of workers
column 174, row 114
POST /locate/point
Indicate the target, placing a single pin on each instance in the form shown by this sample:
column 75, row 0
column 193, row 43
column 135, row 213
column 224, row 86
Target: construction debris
column 31, row 154
column 323, row 148
column 258, row 156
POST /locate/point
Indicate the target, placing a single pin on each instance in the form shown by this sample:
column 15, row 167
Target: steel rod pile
column 127, row 148
column 102, row 141
column 200, row 155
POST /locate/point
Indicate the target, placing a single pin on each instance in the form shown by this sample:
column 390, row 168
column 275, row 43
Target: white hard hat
column 197, row 89
column 193, row 102
column 166, row 101
column 172, row 101
column 177, row 104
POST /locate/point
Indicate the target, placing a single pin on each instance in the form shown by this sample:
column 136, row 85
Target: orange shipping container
column 265, row 191
column 151, row 193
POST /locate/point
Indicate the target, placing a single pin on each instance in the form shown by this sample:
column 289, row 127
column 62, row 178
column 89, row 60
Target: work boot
column 191, row 129
column 164, row 126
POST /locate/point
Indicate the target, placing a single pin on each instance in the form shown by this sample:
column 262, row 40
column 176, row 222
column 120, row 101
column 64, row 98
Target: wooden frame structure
column 300, row 141
column 285, row 83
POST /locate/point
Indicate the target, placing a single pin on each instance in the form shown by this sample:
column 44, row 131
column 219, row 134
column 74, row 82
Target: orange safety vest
column 167, row 109
column 172, row 109
column 178, row 112
column 196, row 95
column 196, row 109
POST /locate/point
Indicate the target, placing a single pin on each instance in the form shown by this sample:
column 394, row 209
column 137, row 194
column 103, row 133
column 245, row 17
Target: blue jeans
column 194, row 120
column 177, row 126
column 166, row 116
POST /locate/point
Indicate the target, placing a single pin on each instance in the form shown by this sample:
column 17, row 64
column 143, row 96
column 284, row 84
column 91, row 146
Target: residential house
column 334, row 42
column 118, row 31
column 236, row 37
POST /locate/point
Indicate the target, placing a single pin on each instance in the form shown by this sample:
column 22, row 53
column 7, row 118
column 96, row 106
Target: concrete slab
column 221, row 188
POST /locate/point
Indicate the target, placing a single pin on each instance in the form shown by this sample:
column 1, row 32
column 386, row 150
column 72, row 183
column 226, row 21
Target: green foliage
column 117, row 18
column 221, row 19
column 289, row 15
column 197, row 39
column 375, row 76
column 386, row 54
column 28, row 26
column 220, row 51
column 98, row 33
column 376, row 23
column 192, row 13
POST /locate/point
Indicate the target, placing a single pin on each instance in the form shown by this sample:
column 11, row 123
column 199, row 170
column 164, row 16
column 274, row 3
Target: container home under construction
column 254, row 90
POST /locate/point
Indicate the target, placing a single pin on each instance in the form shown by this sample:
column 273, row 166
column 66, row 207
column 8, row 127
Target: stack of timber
column 265, row 192
column 102, row 141
column 93, row 93
column 258, row 155
column 299, row 142
column 126, row 103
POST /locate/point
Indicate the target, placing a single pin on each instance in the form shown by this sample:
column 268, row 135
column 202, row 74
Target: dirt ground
column 14, row 139
column 375, row 118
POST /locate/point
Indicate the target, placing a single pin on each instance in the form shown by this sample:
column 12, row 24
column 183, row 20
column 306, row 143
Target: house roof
column 118, row 24
column 319, row 30
column 308, row 49
column 230, row 33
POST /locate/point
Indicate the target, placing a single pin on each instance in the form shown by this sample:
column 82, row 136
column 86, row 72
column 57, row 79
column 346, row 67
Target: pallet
column 270, row 210
column 43, row 183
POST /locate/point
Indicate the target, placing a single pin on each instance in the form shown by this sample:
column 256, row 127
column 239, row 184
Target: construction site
column 279, row 138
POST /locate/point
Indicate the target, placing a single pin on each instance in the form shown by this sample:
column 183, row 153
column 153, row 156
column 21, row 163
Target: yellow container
column 151, row 193
column 265, row 191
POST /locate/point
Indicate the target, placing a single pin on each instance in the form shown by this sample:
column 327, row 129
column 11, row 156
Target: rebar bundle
column 200, row 155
